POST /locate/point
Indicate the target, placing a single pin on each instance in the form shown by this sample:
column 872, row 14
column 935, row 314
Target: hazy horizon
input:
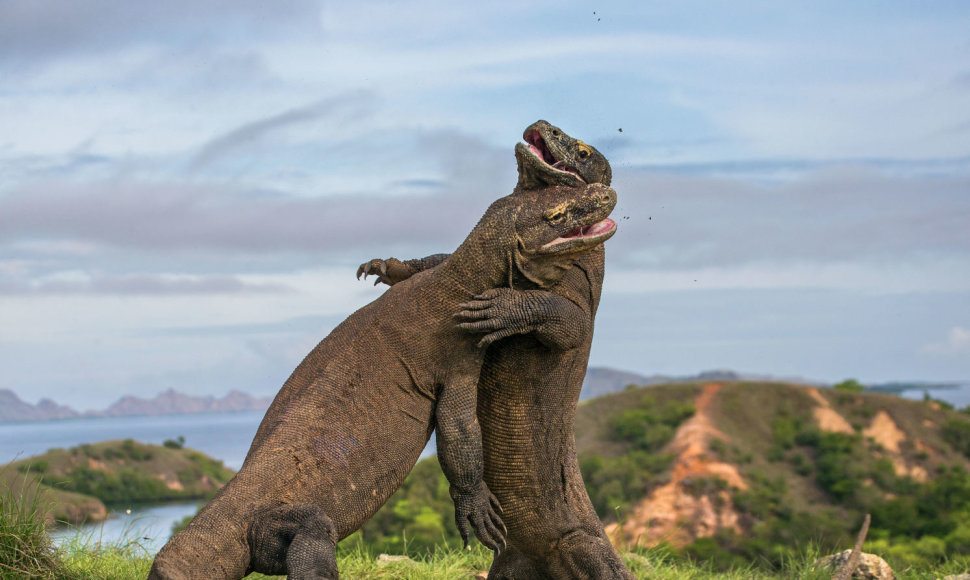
column 186, row 190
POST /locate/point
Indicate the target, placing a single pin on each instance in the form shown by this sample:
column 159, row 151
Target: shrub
column 39, row 466
column 136, row 451
column 613, row 483
column 649, row 426
column 125, row 486
column 956, row 432
column 850, row 385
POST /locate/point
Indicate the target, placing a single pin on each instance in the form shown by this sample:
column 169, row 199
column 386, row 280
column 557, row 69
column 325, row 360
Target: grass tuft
column 26, row 550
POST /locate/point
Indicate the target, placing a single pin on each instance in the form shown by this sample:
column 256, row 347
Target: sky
column 187, row 188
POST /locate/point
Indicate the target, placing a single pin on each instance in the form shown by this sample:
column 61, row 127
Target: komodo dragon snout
column 550, row 241
column 551, row 157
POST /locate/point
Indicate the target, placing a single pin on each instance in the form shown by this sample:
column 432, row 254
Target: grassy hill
column 739, row 472
column 78, row 484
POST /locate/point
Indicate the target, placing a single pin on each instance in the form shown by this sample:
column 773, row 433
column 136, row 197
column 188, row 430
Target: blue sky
column 186, row 188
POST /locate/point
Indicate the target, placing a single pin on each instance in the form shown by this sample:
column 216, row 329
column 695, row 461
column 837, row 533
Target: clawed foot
column 482, row 510
column 499, row 312
column 389, row 271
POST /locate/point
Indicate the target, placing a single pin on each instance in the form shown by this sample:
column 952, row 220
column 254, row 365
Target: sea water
column 147, row 526
column 956, row 395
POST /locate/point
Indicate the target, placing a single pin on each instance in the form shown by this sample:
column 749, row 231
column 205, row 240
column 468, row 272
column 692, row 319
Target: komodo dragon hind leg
column 295, row 539
column 577, row 556
column 581, row 556
column 511, row 564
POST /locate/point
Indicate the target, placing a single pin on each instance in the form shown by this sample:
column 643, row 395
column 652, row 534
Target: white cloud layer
column 957, row 343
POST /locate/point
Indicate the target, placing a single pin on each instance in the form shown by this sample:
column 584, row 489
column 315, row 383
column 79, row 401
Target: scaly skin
column 530, row 386
column 352, row 419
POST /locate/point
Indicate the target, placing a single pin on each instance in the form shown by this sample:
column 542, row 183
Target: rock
column 871, row 566
column 483, row 575
column 956, row 577
column 384, row 559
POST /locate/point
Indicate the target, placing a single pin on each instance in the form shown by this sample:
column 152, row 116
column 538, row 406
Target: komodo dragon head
column 551, row 157
column 554, row 225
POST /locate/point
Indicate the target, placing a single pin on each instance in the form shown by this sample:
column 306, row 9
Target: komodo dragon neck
column 473, row 268
column 467, row 273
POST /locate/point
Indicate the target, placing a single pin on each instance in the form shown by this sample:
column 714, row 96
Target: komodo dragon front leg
column 391, row 271
column 459, row 443
column 498, row 313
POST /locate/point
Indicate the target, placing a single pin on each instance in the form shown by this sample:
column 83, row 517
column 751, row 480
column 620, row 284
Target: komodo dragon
column 353, row 418
column 530, row 385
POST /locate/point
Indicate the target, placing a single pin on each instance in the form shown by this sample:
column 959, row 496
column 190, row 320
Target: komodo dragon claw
column 389, row 271
column 499, row 313
column 482, row 510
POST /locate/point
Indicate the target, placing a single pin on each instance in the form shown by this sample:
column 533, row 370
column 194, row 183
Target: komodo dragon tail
column 210, row 547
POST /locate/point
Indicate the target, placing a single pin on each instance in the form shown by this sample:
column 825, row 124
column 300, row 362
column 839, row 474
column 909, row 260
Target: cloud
column 962, row 80
column 38, row 31
column 861, row 276
column 132, row 235
column 828, row 216
column 142, row 285
column 174, row 217
column 255, row 130
column 957, row 342
column 848, row 227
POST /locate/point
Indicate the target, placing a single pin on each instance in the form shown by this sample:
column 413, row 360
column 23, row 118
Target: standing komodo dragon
column 530, row 385
column 353, row 418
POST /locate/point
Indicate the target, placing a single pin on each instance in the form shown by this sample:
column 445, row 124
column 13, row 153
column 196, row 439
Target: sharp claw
column 383, row 268
column 377, row 281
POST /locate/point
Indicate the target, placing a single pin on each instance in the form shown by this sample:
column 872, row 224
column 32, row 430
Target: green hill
column 756, row 471
column 78, row 484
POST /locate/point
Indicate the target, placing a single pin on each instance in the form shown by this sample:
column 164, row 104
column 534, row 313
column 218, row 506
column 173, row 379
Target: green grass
column 25, row 547
column 126, row 563
column 80, row 560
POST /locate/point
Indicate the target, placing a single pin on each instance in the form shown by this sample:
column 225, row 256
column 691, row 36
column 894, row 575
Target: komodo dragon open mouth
column 538, row 147
column 581, row 237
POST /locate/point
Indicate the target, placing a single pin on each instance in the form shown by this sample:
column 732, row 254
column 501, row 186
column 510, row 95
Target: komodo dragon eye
column 584, row 150
column 555, row 215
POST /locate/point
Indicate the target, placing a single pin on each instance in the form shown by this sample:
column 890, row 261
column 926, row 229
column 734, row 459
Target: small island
column 79, row 485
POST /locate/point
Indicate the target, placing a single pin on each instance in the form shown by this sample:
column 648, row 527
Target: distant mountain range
column 170, row 402
column 599, row 381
